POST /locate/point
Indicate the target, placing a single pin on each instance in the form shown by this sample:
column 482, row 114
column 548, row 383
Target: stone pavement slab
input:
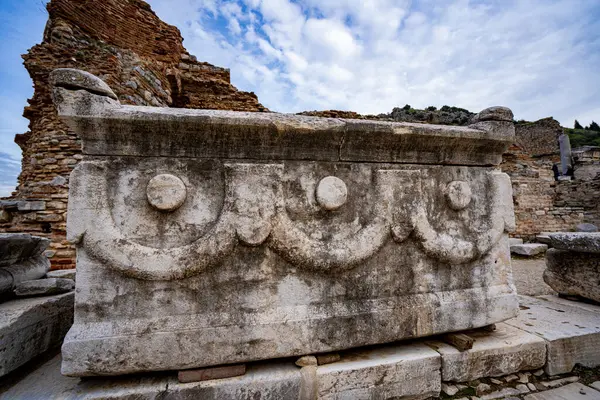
column 572, row 333
column 506, row 350
column 573, row 391
column 528, row 249
column 401, row 370
column 29, row 327
column 395, row 371
column 572, row 303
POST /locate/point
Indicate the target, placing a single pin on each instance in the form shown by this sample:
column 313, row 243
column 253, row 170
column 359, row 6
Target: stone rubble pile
column 36, row 307
column 24, row 268
column 573, row 264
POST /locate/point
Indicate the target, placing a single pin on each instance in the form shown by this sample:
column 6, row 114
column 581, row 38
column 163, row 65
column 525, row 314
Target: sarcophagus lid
column 215, row 237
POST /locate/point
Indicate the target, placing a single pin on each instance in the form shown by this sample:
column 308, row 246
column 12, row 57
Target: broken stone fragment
column 494, row 114
column 586, row 242
column 44, row 287
column 528, row 249
column 306, row 361
column 573, row 273
column 75, row 79
column 449, row 389
column 62, row 273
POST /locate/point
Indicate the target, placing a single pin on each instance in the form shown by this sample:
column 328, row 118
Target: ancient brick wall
column 141, row 58
column 541, row 203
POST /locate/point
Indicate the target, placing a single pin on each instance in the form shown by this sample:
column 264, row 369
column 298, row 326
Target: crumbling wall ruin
column 543, row 204
column 133, row 51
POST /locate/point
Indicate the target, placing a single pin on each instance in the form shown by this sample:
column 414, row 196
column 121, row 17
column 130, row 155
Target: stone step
column 506, row 350
column 529, row 249
column 572, row 334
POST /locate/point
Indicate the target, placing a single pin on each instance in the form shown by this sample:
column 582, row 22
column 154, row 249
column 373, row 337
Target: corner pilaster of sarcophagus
column 498, row 122
column 79, row 96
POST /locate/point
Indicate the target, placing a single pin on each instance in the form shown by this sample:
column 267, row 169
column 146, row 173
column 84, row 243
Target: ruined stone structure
column 249, row 236
column 573, row 264
column 543, row 204
column 35, row 311
column 142, row 58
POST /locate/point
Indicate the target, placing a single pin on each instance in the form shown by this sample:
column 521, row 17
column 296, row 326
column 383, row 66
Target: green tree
column 594, row 127
column 578, row 125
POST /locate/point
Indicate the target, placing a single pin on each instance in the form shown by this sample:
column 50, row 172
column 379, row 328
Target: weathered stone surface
column 574, row 391
column 29, row 327
column 585, row 242
column 15, row 247
column 504, row 351
column 401, row 371
column 62, row 273
column 573, row 273
column 75, row 79
column 494, row 114
column 572, row 334
column 21, row 259
column 268, row 381
column 44, row 287
column 409, row 371
column 528, row 249
column 252, row 265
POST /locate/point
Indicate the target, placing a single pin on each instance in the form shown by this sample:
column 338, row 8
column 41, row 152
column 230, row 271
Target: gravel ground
column 527, row 275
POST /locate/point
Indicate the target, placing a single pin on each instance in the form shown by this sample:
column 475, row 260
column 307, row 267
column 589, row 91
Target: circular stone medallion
column 331, row 193
column 458, row 195
column 166, row 192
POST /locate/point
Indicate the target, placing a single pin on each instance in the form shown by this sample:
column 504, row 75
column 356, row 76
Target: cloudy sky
column 539, row 57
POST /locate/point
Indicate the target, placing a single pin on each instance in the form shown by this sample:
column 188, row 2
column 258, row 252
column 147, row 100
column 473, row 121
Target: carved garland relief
column 253, row 212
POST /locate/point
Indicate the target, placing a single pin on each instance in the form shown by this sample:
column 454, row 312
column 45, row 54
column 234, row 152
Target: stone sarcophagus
column 213, row 237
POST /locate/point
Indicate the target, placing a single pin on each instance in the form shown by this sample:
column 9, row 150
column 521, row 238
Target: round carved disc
column 331, row 193
column 458, row 194
column 166, row 192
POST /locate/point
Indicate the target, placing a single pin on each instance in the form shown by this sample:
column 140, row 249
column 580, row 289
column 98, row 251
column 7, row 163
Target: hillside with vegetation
column 584, row 136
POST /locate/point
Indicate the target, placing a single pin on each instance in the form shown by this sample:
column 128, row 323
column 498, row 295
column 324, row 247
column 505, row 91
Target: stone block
column 398, row 371
column 62, row 273
column 506, row 350
column 44, row 287
column 573, row 273
column 573, row 391
column 32, row 205
column 572, row 334
column 585, row 242
column 15, row 247
column 529, row 249
column 515, row 241
column 248, row 236
column 29, row 327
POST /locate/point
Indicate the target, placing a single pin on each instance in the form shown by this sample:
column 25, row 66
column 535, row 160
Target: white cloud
column 535, row 56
